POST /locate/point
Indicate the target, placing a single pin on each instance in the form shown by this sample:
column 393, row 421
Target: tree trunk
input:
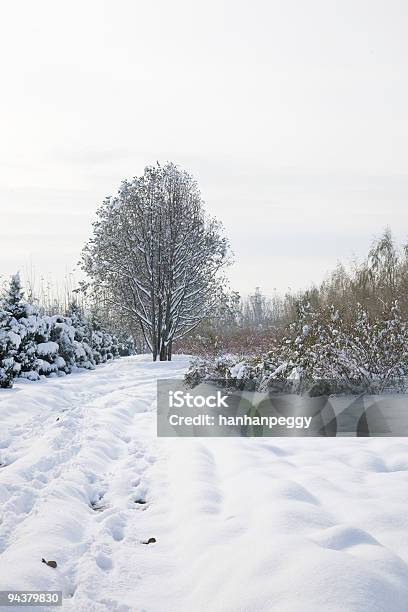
column 155, row 351
column 163, row 352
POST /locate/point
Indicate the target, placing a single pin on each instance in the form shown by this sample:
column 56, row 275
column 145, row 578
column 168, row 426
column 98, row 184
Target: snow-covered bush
column 310, row 344
column 126, row 346
column 217, row 369
column 353, row 346
column 375, row 350
column 33, row 344
column 22, row 321
column 235, row 371
column 82, row 338
column 352, row 349
column 47, row 357
column 63, row 333
column 104, row 345
column 9, row 343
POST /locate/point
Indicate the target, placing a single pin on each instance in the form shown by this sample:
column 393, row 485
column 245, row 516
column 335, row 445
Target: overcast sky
column 292, row 116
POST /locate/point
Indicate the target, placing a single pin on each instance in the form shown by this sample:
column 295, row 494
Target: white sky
column 292, row 115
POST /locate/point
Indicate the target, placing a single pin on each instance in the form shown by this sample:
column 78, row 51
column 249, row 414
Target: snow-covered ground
column 241, row 525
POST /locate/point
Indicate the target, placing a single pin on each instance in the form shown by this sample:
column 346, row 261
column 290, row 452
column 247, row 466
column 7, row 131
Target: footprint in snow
column 97, row 503
column 103, row 561
column 115, row 526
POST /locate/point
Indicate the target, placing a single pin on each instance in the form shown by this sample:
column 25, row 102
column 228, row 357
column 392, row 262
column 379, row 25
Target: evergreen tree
column 82, row 337
column 23, row 321
column 105, row 346
column 125, row 346
column 9, row 343
column 63, row 333
column 47, row 350
column 33, row 344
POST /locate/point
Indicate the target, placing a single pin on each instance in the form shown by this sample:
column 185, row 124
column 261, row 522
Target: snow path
column 242, row 525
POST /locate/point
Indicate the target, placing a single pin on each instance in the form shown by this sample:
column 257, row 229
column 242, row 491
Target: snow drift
column 254, row 525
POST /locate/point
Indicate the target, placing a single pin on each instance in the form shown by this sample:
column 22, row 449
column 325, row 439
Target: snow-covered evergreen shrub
column 83, row 352
column 9, row 343
column 48, row 359
column 126, row 346
column 105, row 346
column 32, row 344
column 63, row 333
column 23, row 322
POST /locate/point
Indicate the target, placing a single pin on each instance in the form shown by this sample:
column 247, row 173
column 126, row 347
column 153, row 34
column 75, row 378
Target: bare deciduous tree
column 156, row 255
